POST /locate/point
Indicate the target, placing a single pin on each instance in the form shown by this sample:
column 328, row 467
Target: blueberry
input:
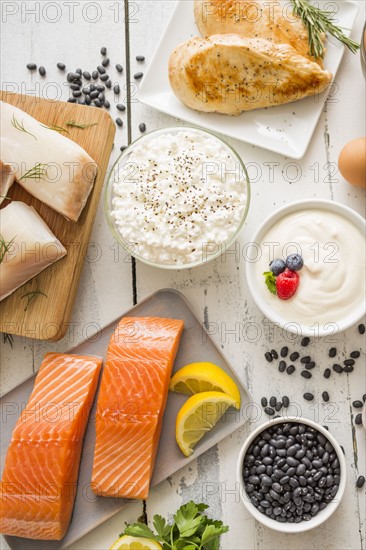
column 277, row 266
column 294, row 262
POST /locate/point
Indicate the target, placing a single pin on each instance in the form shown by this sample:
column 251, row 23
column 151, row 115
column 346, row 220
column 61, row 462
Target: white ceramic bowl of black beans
column 292, row 474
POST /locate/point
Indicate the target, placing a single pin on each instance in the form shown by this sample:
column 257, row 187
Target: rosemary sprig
column 55, row 128
column 32, row 295
column 36, row 172
column 74, row 124
column 20, row 126
column 4, row 247
column 8, row 338
column 318, row 22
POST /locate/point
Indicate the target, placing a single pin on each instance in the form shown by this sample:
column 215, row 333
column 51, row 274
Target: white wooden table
column 73, row 32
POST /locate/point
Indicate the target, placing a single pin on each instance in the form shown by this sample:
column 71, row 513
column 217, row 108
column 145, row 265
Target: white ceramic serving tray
column 91, row 510
column 286, row 129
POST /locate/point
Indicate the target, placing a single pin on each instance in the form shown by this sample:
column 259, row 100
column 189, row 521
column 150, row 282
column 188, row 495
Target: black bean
column 104, row 77
column 361, row 328
column 42, row 71
column 101, row 69
column 95, row 75
column 100, row 87
column 327, row 373
column 79, row 72
column 278, row 407
column 355, row 354
column 290, row 369
column 142, row 127
column 282, row 366
column 305, row 341
column 305, row 359
column 306, row 374
column 105, row 62
column 94, row 94
column 71, row 100
column 98, row 103
column 116, row 89
column 284, row 351
column 71, row 77
column 264, row 402
column 337, row 368
column 101, row 96
column 360, row 482
column 325, row 396
column 358, row 419
column 31, row 66
column 364, row 397
column 119, row 68
column 357, row 404
column 294, row 356
column 261, row 469
column 254, row 480
column 310, row 365
column 93, row 87
column 61, row 66
column 76, row 93
column 285, row 401
column 349, row 369
column 77, row 82
column 74, row 87
column 107, row 105
column 86, row 75
column 81, row 101
column 103, row 50
column 266, row 480
column 273, row 401
column 121, row 107
column 317, row 476
column 119, row 122
column 108, row 84
column 138, row 76
column 269, row 411
column 291, row 461
column 85, row 90
column 267, row 461
column 308, row 396
column 268, row 357
column 349, row 362
column 140, row 58
column 332, row 352
column 87, row 100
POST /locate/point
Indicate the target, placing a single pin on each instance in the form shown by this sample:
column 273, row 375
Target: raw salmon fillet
column 38, row 486
column 131, row 404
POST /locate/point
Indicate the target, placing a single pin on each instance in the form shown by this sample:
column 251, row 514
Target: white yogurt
column 178, row 196
column 332, row 281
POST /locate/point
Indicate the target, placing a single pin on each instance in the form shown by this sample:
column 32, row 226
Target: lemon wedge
column 199, row 415
column 202, row 377
column 135, row 543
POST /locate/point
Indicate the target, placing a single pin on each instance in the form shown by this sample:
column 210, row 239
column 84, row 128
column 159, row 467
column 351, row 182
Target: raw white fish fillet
column 31, row 246
column 66, row 173
column 6, row 179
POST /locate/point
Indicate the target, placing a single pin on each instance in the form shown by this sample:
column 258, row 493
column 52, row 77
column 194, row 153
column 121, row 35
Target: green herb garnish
column 20, row 126
column 8, row 339
column 37, row 172
column 32, row 295
column 74, row 124
column 4, row 247
column 191, row 530
column 55, row 128
column 319, row 21
column 270, row 281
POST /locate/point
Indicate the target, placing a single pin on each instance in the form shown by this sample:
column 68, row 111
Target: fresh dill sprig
column 55, row 128
column 319, row 21
column 4, row 247
column 20, row 126
column 8, row 338
column 74, row 124
column 36, row 172
column 32, row 295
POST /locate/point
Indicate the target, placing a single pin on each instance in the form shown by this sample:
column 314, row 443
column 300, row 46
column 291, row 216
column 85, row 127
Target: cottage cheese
column 177, row 196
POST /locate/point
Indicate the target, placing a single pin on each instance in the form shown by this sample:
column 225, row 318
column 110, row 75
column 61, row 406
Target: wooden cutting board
column 46, row 318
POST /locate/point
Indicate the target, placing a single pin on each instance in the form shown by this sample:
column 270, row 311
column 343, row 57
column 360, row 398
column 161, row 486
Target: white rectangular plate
column 286, row 129
column 91, row 510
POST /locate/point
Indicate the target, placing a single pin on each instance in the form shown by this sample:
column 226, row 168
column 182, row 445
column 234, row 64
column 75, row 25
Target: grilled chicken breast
column 267, row 19
column 229, row 74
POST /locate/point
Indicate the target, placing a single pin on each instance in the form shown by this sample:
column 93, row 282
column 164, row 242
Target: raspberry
column 286, row 284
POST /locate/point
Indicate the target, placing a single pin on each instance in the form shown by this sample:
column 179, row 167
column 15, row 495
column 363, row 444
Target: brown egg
column 352, row 162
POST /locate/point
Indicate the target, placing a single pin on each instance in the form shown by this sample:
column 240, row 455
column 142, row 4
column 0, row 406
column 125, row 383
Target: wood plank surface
column 47, row 317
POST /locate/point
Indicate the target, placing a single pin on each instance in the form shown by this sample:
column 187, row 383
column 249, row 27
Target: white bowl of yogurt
column 177, row 197
column 331, row 295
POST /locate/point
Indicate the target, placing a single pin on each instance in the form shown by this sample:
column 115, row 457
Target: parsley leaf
column 140, row 530
column 161, row 527
column 188, row 519
column 270, row 281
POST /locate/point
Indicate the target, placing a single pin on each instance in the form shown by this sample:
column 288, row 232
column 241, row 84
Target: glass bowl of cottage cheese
column 177, row 197
column 331, row 294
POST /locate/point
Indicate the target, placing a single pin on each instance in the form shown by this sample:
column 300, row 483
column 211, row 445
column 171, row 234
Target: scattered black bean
column 358, row 419
column 71, row 77
column 361, row 328
column 332, row 352
column 285, row 401
column 264, row 402
column 71, row 100
column 103, row 50
column 308, row 396
column 355, row 354
column 104, row 77
column 119, row 68
column 138, row 76
column 327, row 373
column 273, row 401
column 360, row 482
column 119, row 122
column 306, row 374
column 305, row 341
column 76, row 93
column 269, row 411
column 349, row 362
column 106, row 62
column 349, row 369
column 107, row 105
column 87, row 100
column 98, row 103
column 325, row 396
column 284, row 351
column 305, row 359
column 116, row 89
column 108, row 84
column 42, row 71
column 294, row 356
column 61, row 66
column 95, row 75
column 278, row 406
column 81, row 101
column 357, row 404
column 79, row 72
column 290, row 369
column 310, row 365
column 32, row 66
column 100, row 87
column 101, row 69
column 142, row 127
column 74, row 87
column 337, row 368
column 87, row 75
column 121, row 107
column 85, row 90
column 282, row 366
column 268, row 356
column 101, row 96
column 140, row 58
column 123, row 148
column 94, row 94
